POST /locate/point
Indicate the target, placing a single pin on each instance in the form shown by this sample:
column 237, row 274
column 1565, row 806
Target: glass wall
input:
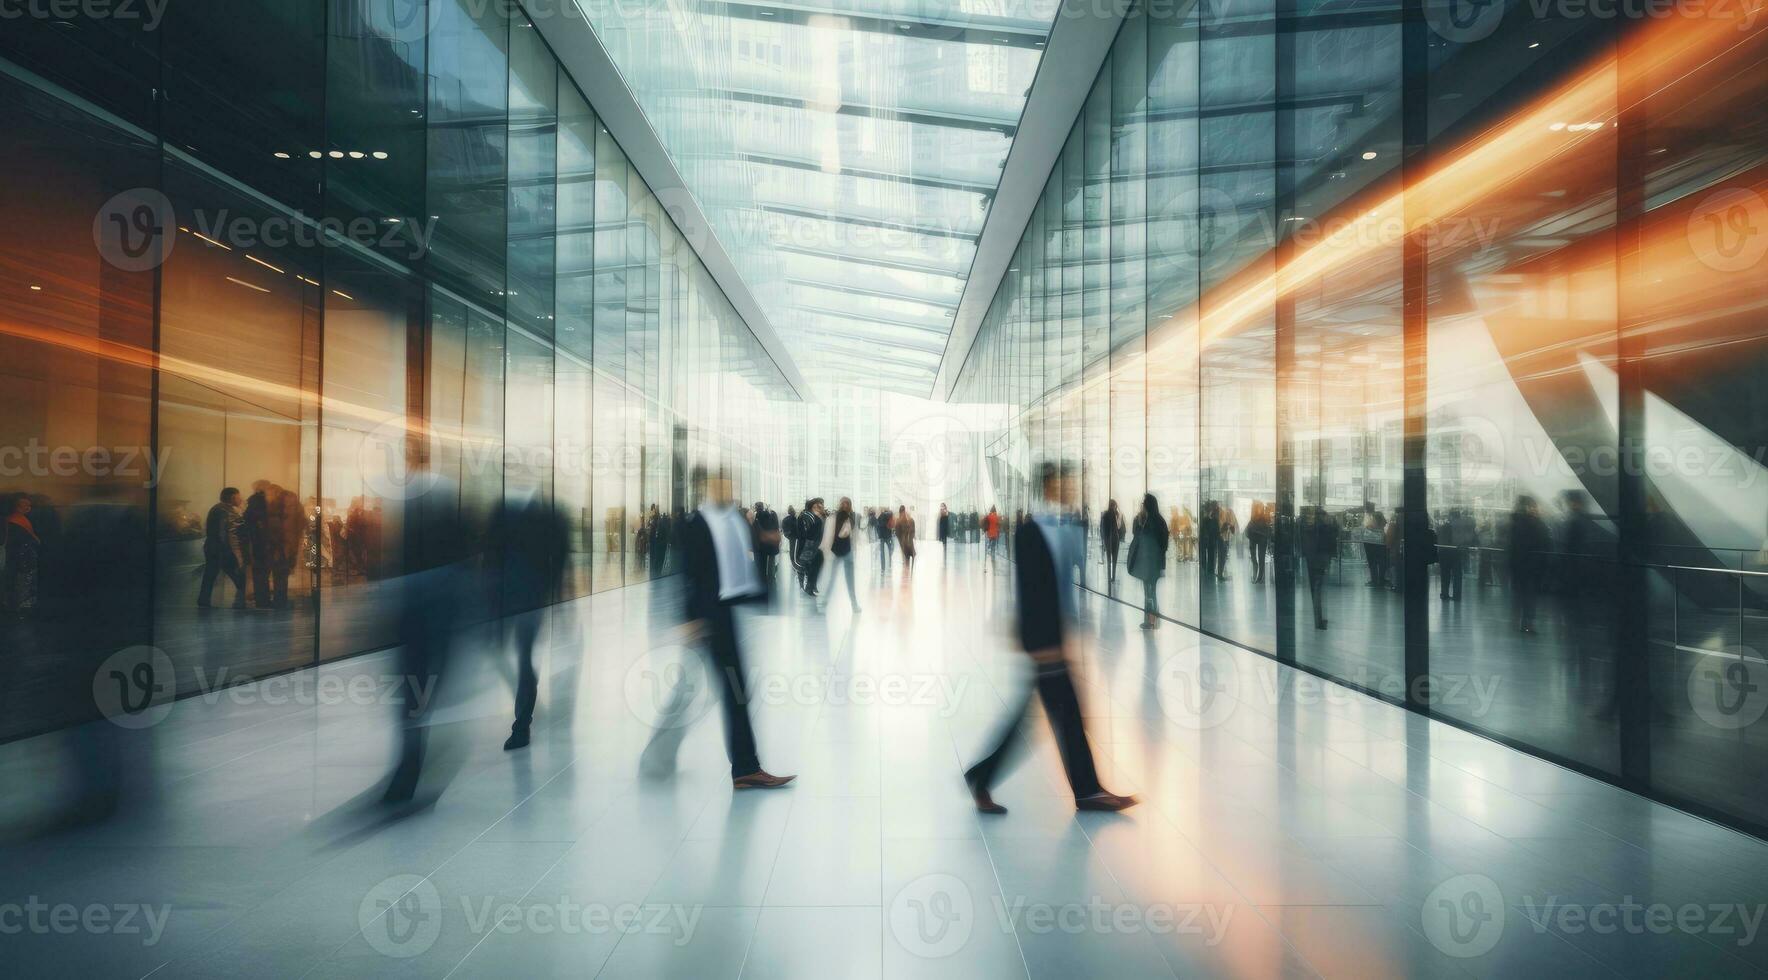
column 364, row 265
column 1442, row 351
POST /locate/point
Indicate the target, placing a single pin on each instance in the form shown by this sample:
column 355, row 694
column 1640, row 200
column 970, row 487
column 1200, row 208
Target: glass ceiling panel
column 846, row 152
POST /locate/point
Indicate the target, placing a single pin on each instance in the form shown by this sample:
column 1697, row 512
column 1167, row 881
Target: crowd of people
column 1515, row 549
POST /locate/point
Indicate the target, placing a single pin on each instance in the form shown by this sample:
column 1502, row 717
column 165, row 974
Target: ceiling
column 845, row 153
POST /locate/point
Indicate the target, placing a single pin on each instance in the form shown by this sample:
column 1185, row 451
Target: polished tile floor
column 1289, row 827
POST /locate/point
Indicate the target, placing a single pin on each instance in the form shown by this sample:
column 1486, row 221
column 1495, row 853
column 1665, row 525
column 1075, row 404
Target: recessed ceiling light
column 380, row 154
column 315, row 154
column 357, row 154
column 1534, row 44
column 280, row 155
column 36, row 289
column 337, row 154
column 1369, row 154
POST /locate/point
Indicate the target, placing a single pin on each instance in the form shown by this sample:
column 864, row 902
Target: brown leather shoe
column 761, row 779
column 1105, row 801
column 984, row 802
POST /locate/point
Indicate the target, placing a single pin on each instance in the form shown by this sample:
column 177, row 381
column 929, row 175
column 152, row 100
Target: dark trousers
column 1452, row 567
column 213, row 568
column 1376, row 556
column 767, row 566
column 1259, row 548
column 261, row 585
column 1062, row 706
column 527, row 629
column 727, row 662
column 813, row 569
column 1316, row 589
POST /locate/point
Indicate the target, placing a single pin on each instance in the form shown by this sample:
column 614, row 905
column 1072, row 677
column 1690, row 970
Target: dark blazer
column 1040, row 608
column 766, row 521
column 218, row 533
column 699, row 567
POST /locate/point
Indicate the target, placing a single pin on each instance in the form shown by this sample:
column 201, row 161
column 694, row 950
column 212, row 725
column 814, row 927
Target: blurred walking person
column 991, row 529
column 720, row 575
column 1111, row 538
column 886, row 538
column 767, row 545
column 1147, row 558
column 23, row 554
column 905, row 536
column 1530, row 542
column 221, row 549
column 1319, row 542
column 1048, row 548
column 843, row 530
column 533, row 542
column 435, row 600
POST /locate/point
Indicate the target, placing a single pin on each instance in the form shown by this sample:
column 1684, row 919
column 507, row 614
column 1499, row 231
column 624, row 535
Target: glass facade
column 1441, row 349
column 360, row 261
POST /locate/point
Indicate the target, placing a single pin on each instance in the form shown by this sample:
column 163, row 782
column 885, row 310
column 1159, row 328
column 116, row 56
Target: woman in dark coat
column 23, row 551
column 1148, row 557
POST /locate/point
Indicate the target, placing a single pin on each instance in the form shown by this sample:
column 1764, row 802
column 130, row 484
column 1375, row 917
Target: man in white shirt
column 718, row 564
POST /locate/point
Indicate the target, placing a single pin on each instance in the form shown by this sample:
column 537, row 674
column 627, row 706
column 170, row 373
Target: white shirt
column 737, row 577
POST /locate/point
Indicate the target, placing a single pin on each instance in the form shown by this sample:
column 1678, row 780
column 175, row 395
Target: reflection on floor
column 1289, row 828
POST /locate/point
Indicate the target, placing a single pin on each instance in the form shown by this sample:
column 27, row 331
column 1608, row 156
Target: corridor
column 1288, row 827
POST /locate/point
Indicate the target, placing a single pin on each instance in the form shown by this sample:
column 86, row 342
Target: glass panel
column 75, row 393
column 612, row 275
column 366, row 447
column 468, row 147
column 239, row 319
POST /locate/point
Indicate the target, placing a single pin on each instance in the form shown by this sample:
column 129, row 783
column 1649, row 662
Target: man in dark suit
column 1048, row 548
column 810, row 544
column 221, row 549
column 1319, row 543
column 531, row 538
column 719, row 575
column 767, row 544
